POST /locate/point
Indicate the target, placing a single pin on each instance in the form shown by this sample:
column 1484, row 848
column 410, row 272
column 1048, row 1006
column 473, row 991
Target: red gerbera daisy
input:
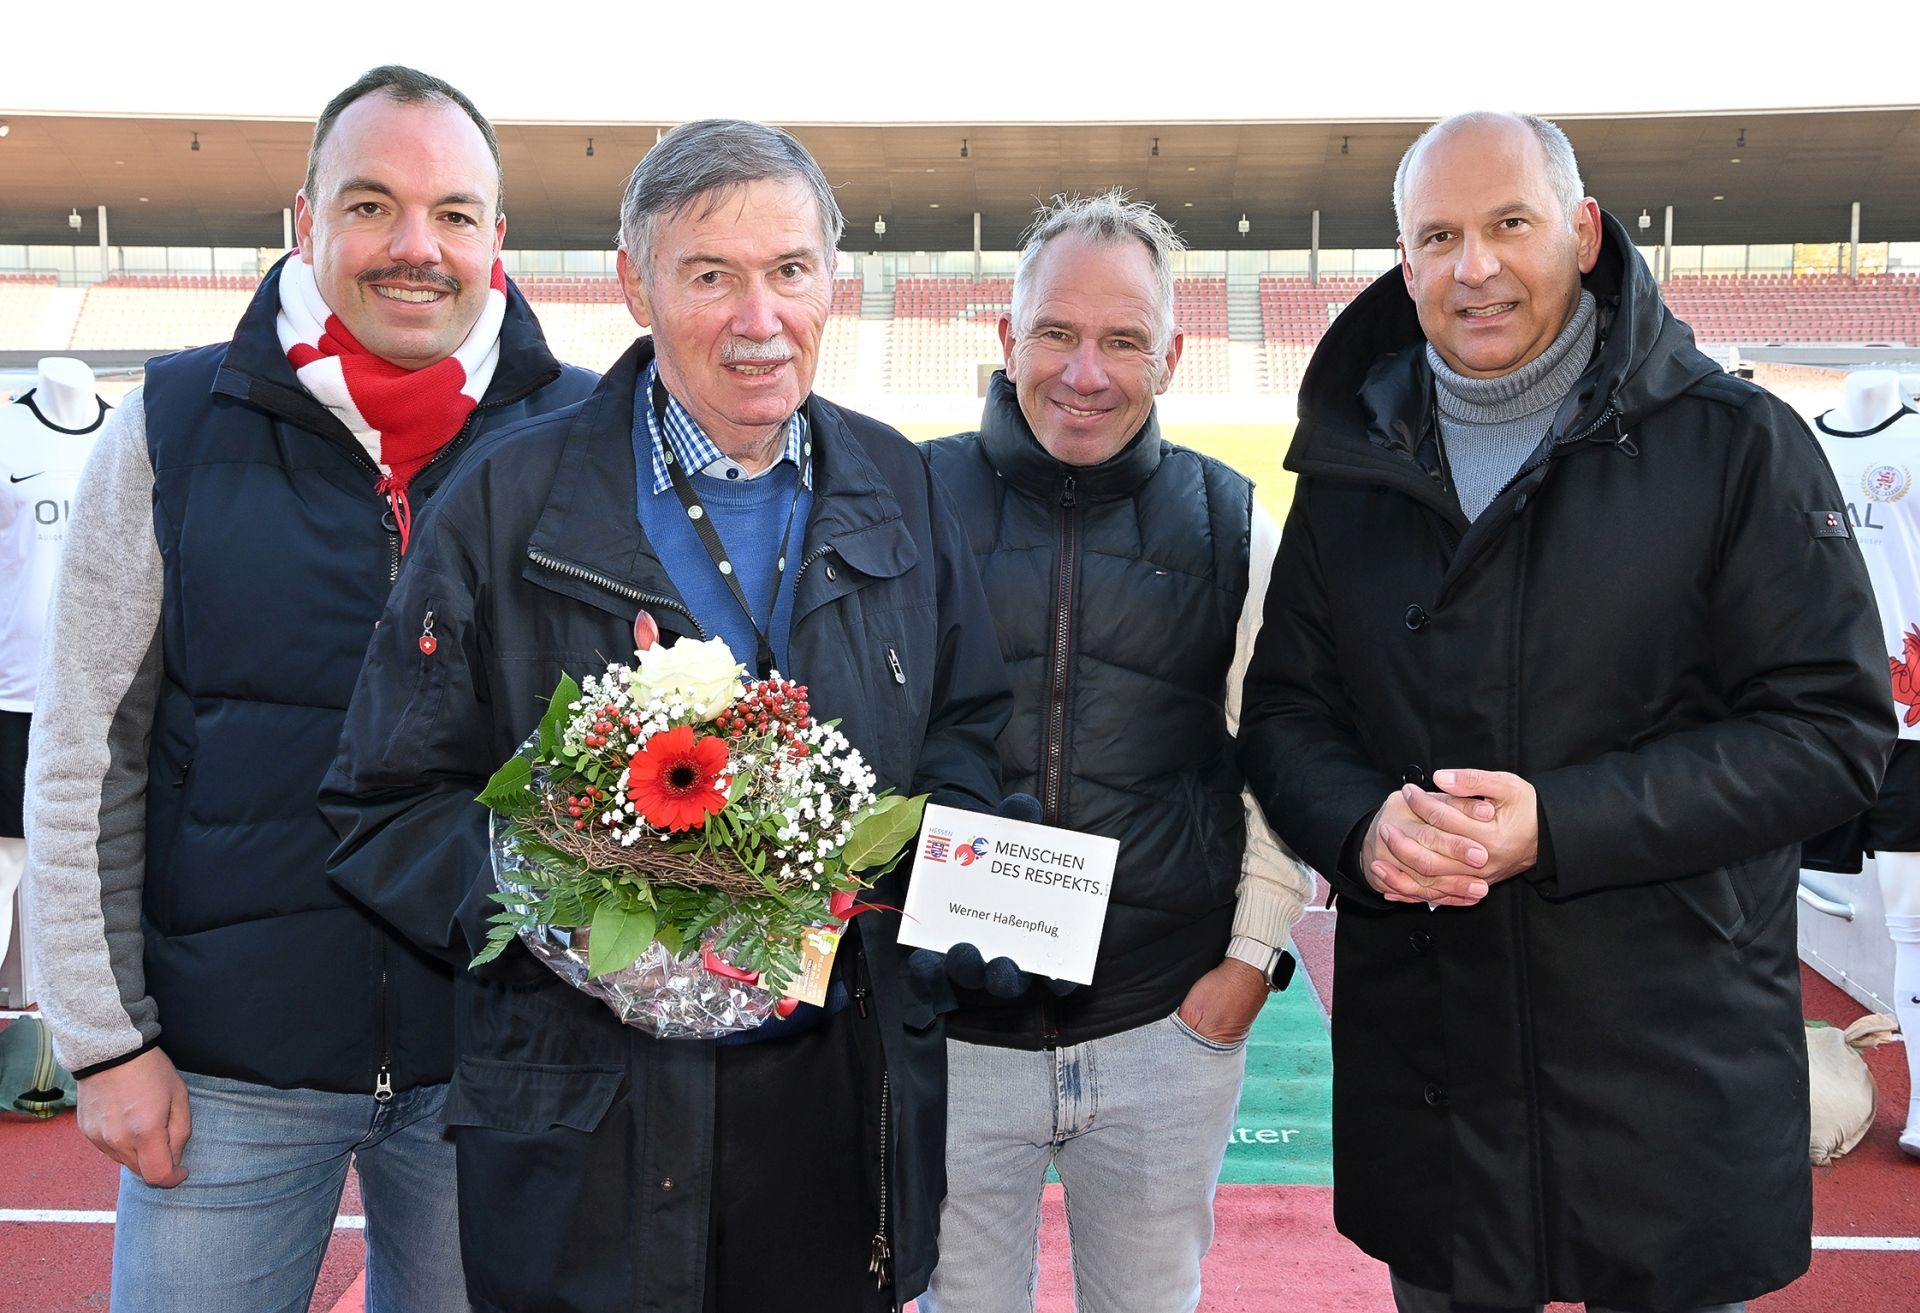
column 676, row 781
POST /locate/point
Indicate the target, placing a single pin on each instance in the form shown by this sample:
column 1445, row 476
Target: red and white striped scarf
column 401, row 416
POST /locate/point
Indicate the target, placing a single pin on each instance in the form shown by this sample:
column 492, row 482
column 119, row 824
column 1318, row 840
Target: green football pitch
column 1256, row 450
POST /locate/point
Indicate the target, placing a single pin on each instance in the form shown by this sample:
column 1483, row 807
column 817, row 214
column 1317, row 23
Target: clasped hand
column 1448, row 847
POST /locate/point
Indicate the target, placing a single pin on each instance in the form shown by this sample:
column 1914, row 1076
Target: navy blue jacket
column 533, row 564
column 278, row 556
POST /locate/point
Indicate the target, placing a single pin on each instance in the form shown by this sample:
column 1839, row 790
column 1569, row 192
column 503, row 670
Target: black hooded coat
column 1593, row 1084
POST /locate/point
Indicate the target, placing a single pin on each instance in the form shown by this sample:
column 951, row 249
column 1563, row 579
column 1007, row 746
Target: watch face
column 1280, row 974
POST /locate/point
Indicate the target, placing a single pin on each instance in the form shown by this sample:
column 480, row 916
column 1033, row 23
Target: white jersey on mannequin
column 1872, row 440
column 44, row 445
column 1877, row 469
column 45, row 438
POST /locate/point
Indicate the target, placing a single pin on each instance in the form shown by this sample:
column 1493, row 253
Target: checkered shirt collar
column 692, row 447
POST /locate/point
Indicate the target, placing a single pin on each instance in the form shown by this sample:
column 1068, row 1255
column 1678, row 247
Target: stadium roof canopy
column 1742, row 177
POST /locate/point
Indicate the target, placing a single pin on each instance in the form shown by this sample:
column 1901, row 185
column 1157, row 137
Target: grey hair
column 707, row 160
column 1563, row 172
column 1107, row 218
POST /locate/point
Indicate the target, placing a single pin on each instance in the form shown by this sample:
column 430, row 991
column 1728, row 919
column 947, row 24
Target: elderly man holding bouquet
column 702, row 492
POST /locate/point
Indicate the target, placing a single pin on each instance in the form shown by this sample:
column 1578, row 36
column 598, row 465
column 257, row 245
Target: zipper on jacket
column 808, row 560
column 893, row 664
column 359, row 454
column 1054, row 748
column 1620, row 440
column 559, row 566
column 1053, row 761
column 446, row 451
column 383, row 1076
column 880, row 1252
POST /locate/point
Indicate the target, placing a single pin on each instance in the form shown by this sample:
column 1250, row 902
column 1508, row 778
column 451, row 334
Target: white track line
column 354, row 1222
column 344, row 1222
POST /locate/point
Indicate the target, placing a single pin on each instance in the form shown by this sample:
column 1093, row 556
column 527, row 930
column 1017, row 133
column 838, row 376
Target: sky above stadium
column 984, row 62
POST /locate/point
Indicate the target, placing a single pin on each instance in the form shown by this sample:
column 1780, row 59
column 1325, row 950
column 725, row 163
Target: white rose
column 705, row 675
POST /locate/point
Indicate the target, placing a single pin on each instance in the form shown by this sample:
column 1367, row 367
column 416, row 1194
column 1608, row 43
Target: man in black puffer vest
column 240, row 1028
column 1125, row 576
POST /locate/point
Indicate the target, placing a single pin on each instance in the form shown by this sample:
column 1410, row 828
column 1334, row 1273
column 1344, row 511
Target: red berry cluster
column 599, row 735
column 581, row 806
column 769, row 706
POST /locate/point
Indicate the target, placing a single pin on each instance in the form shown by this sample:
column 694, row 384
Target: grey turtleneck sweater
column 1489, row 426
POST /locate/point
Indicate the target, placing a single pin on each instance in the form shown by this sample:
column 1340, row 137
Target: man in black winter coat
column 1568, row 648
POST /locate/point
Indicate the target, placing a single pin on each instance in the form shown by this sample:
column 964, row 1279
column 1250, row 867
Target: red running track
column 1275, row 1249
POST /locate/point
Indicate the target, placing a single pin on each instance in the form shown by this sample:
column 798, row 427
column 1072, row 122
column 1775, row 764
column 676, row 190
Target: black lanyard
column 710, row 537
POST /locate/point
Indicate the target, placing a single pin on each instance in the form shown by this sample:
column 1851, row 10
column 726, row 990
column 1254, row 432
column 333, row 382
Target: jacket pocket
column 523, row 1099
column 1715, row 897
column 432, row 625
column 558, row 1141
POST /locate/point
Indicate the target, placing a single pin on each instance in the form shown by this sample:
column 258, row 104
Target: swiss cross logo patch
column 1829, row 524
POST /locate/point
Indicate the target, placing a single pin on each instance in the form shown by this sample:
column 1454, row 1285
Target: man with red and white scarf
column 241, row 1030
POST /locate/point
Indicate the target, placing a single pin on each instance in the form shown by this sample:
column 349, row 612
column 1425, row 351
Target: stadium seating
column 1293, row 314
column 940, row 357
column 1757, row 309
column 24, row 301
column 943, row 329
column 160, row 312
column 951, row 298
column 1200, row 310
column 571, row 289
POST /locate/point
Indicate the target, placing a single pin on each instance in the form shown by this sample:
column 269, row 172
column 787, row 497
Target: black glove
column 963, row 963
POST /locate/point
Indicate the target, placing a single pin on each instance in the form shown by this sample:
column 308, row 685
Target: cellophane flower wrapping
column 667, row 995
column 669, row 838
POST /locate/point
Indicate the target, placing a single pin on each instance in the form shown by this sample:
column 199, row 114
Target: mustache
column 745, row 348
column 410, row 273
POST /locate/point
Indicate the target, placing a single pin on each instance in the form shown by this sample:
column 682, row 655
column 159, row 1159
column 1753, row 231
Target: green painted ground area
column 1283, row 1134
column 1256, row 450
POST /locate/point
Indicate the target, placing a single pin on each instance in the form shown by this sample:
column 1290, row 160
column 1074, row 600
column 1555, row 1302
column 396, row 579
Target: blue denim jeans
column 1409, row 1298
column 245, row 1232
column 1136, row 1124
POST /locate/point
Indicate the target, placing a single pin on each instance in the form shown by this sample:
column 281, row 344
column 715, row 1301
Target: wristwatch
column 1275, row 964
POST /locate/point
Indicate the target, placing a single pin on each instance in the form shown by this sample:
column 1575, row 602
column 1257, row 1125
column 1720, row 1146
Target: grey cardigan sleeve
column 86, row 804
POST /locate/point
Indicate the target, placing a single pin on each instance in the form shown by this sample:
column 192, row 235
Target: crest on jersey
column 1886, row 483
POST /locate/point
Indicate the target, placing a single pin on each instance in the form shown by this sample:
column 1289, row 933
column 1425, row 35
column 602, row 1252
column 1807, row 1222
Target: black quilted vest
column 1116, row 590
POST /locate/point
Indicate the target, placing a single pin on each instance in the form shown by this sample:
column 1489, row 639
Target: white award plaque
column 1034, row 893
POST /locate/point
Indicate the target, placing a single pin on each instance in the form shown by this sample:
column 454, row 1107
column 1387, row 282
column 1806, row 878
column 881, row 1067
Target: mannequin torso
column 45, row 438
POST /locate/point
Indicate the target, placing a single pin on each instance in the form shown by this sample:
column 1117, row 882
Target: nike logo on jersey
column 22, row 478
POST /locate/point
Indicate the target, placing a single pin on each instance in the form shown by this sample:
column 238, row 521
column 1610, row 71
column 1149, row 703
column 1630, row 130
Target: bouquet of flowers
column 686, row 846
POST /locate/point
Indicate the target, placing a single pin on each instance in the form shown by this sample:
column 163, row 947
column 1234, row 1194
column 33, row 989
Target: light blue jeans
column 1136, row 1124
column 245, row 1232
column 1409, row 1298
